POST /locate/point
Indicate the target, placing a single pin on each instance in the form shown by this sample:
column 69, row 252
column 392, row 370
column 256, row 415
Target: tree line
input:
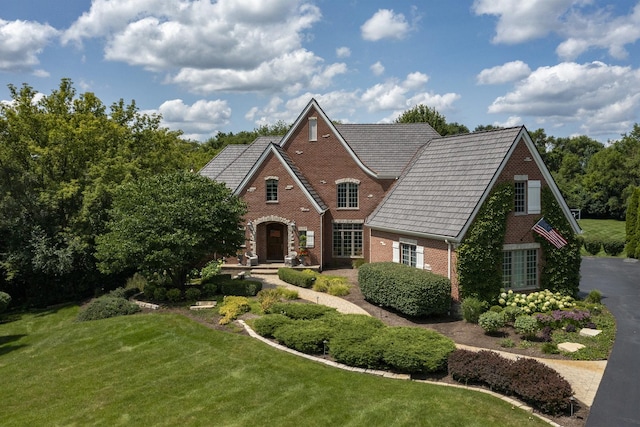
column 71, row 166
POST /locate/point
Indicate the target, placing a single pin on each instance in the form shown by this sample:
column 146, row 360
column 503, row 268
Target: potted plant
column 303, row 251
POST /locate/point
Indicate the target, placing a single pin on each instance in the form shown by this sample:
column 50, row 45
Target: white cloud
column 377, row 68
column 41, row 73
column 199, row 121
column 505, row 73
column 21, row 42
column 511, row 121
column 386, row 101
column 580, row 25
column 234, row 45
column 592, row 93
column 343, row 52
column 520, row 21
column 385, row 24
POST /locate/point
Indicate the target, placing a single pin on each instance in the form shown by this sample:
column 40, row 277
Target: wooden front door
column 276, row 235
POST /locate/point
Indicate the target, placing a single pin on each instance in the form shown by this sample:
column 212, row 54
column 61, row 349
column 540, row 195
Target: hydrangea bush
column 536, row 302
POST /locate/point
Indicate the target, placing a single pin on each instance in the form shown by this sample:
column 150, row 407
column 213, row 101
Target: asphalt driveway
column 617, row 401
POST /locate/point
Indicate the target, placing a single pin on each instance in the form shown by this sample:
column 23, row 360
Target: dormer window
column 313, row 128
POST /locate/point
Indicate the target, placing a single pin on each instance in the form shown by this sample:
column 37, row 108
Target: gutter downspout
column 448, row 258
column 321, row 240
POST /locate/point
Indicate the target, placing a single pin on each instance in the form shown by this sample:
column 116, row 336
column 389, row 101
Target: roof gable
column 311, row 194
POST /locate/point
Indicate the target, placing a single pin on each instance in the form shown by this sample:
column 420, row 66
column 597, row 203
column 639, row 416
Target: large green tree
column 424, row 114
column 168, row 224
column 61, row 157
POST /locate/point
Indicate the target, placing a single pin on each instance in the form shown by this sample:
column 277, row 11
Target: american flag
column 543, row 228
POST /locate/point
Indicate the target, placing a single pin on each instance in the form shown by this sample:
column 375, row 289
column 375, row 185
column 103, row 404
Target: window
column 348, row 195
column 408, row 254
column 313, row 128
column 520, row 269
column 307, row 238
column 347, row 239
column 272, row 189
column 527, row 195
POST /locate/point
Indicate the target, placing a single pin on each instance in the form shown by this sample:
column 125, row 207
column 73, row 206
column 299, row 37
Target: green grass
column 604, row 229
column 165, row 370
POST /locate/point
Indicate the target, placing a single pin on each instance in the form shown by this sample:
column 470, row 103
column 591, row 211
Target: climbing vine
column 561, row 267
column 480, row 254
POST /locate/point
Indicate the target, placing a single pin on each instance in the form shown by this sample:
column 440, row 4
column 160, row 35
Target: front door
column 275, row 241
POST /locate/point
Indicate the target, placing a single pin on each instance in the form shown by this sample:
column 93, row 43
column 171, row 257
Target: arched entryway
column 271, row 238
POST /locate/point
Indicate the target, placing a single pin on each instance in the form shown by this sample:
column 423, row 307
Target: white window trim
column 313, row 129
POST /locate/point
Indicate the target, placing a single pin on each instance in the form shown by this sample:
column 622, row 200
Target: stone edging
column 386, row 374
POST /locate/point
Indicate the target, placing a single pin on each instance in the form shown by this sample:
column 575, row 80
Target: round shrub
column 5, row 300
column 232, row 307
column 511, row 312
column 160, row 294
column 305, row 336
column 613, row 247
column 594, row 297
column 192, row 294
column 352, row 344
column 496, row 308
column 540, row 386
column 491, row 321
column 209, row 289
column 174, row 295
column 299, row 310
column 266, row 325
column 593, row 246
column 338, row 289
column 107, row 306
column 472, row 308
column 413, row 350
column 527, row 326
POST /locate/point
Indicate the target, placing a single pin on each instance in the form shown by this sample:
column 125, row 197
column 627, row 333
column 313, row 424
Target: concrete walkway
column 584, row 376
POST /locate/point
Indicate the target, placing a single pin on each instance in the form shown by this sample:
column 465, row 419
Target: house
column 382, row 192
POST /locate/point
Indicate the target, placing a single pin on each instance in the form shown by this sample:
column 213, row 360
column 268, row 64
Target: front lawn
column 603, row 229
column 165, row 369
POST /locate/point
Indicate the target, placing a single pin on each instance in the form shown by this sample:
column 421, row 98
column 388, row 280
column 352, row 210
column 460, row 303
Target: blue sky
column 571, row 67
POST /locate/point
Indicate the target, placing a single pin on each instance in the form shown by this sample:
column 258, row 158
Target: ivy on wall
column 561, row 267
column 480, row 254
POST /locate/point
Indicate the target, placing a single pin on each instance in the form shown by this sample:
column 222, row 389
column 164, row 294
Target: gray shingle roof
column 386, row 148
column 442, row 186
column 296, row 171
column 234, row 162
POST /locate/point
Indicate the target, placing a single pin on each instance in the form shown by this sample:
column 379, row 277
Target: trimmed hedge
column 305, row 336
column 413, row 350
column 613, row 247
column 530, row 380
column 240, row 287
column 304, row 278
column 266, row 325
column 300, row 310
column 351, row 343
column 106, row 306
column 410, row 291
column 593, row 246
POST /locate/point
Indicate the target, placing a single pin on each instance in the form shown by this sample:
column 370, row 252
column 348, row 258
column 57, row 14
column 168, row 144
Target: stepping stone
column 570, row 347
column 588, row 332
column 203, row 305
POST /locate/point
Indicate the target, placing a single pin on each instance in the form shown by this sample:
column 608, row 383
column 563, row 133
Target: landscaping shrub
column 192, row 294
column 530, row 380
column 496, row 308
column 338, row 289
column 174, row 295
column 594, row 297
column 357, row 263
column 352, row 344
column 613, row 247
column 268, row 297
column 304, row 278
column 210, row 289
column 135, row 284
column 413, row 350
column 560, row 318
column 483, row 367
column 210, row 271
column 240, row 287
column 410, row 291
column 472, row 308
column 593, row 246
column 536, row 302
column 5, row 300
column 266, row 325
column 299, row 310
column 540, row 386
column 232, row 307
column 511, row 312
column 550, row 348
column 491, row 321
column 107, row 306
column 149, row 290
column 160, row 294
column 306, row 336
column 527, row 326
